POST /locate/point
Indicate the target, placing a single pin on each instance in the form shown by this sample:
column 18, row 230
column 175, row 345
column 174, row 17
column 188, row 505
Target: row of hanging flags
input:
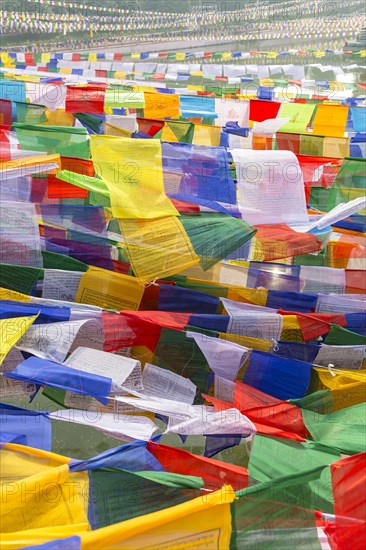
column 172, row 266
column 30, row 58
column 289, row 81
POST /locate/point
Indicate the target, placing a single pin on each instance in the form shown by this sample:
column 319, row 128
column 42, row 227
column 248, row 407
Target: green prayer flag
column 344, row 430
column 67, row 141
column 321, row 402
column 275, row 513
column 182, row 130
column 124, row 98
column 53, row 260
column 31, row 113
column 19, row 278
column 122, row 495
column 339, row 336
column 291, row 457
column 299, row 115
column 90, row 121
column 311, row 145
column 214, row 236
column 85, row 182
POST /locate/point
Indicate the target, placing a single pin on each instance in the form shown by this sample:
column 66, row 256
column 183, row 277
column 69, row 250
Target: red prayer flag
column 139, row 328
column 183, row 206
column 280, row 241
column 99, row 73
column 214, row 473
column 80, row 166
column 259, row 406
column 288, row 142
column 29, row 59
column 5, row 112
column 4, row 143
column 262, row 110
column 310, row 164
column 150, row 126
column 150, row 298
column 355, row 281
column 85, row 99
column 58, row 189
column 258, row 417
column 349, row 492
column 314, row 325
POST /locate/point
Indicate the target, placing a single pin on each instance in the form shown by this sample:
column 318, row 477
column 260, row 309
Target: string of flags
column 225, row 56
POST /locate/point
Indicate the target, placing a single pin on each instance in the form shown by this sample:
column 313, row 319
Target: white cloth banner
column 271, row 187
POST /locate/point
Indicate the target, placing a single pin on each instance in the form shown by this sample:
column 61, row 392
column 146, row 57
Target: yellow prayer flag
column 46, row 57
column 133, row 172
column 257, row 296
column 20, row 164
column 144, row 355
column 66, row 70
column 11, row 330
column 197, row 73
column 135, row 55
column 160, row 106
column 248, row 342
column 38, row 490
column 120, row 75
column 196, row 274
column 157, row 248
column 272, row 55
column 206, row 135
column 285, row 94
column 112, row 130
column 330, row 120
column 336, row 147
column 291, row 322
column 6, row 294
column 4, row 56
column 204, row 522
column 144, row 89
column 180, row 56
column 168, row 135
column 109, row 290
column 226, row 56
column 248, row 96
column 195, row 88
column 291, row 330
column 266, row 82
column 348, row 387
column 92, row 57
column 336, row 86
column 59, row 118
column 27, row 78
column 33, row 537
column 243, row 263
